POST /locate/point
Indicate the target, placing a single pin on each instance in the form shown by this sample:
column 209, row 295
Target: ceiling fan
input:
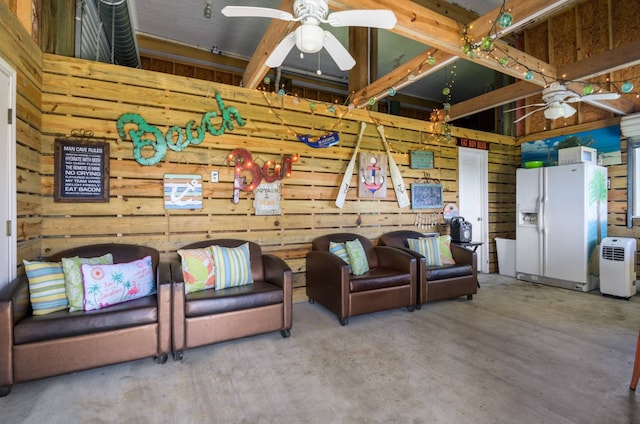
column 556, row 99
column 309, row 37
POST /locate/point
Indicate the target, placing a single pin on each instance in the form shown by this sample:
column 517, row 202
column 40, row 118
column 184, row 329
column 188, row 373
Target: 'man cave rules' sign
column 81, row 171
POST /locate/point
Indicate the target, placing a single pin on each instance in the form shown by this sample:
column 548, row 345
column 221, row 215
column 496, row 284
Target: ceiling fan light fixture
column 309, row 38
column 554, row 111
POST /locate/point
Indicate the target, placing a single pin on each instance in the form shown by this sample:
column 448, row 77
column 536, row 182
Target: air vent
column 613, row 253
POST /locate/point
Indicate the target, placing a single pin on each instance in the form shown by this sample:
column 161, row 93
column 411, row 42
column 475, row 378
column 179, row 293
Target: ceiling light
column 309, row 38
column 207, row 9
column 554, row 111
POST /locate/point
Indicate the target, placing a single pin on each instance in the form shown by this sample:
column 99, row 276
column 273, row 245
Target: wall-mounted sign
column 182, row 191
column 267, row 199
column 474, row 144
column 421, row 159
column 245, row 166
column 372, row 175
column 81, row 171
column 150, row 143
column 426, row 196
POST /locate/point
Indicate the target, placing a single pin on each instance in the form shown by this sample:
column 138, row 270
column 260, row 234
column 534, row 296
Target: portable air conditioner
column 618, row 266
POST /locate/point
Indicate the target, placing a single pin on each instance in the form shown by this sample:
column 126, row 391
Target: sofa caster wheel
column 343, row 321
column 411, row 308
column 312, row 301
column 418, row 306
column 5, row 390
column 469, row 297
column 162, row 358
column 285, row 333
column 177, row 356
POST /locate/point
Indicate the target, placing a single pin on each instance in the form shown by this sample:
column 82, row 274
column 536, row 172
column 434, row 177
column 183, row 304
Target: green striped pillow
column 232, row 266
column 340, row 250
column 427, row 247
column 46, row 287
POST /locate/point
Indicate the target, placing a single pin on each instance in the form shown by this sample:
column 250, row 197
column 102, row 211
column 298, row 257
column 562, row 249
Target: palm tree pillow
column 106, row 285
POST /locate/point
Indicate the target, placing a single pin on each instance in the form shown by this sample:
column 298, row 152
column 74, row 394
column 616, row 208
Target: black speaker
column 460, row 230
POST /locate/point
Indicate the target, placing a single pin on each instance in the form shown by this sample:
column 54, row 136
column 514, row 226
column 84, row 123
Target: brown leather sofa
column 389, row 283
column 443, row 281
column 38, row 346
column 212, row 316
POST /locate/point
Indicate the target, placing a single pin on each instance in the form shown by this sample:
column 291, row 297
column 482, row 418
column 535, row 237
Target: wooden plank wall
column 21, row 53
column 91, row 96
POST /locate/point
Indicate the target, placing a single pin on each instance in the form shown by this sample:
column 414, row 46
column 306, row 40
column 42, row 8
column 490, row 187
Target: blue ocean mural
column 605, row 140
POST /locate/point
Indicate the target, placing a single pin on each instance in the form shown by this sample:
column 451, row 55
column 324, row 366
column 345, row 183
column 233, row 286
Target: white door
column 473, row 192
column 529, row 221
column 8, row 248
column 565, row 223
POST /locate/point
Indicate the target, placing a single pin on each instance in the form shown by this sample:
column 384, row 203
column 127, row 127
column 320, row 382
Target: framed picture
column 421, row 159
column 81, row 172
column 426, row 196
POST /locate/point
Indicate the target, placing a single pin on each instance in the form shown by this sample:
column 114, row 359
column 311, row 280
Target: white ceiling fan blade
column 568, row 110
column 255, row 12
column 364, row 18
column 525, row 106
column 602, row 96
column 526, row 115
column 338, row 53
column 279, row 54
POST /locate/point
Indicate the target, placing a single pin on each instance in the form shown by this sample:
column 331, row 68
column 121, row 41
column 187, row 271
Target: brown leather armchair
column 213, row 316
column 443, row 281
column 389, row 283
column 38, row 346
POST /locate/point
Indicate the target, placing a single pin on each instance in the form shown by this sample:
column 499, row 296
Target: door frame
column 8, row 175
column 480, row 229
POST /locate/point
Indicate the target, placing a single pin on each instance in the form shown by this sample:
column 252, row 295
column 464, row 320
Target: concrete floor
column 517, row 353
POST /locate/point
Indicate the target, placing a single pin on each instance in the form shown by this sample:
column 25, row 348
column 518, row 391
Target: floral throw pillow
column 198, row 270
column 73, row 278
column 106, row 285
column 357, row 257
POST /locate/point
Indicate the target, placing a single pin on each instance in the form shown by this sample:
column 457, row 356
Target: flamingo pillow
column 106, row 285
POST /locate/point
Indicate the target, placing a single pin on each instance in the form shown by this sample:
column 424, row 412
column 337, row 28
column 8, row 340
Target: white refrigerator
column 561, row 214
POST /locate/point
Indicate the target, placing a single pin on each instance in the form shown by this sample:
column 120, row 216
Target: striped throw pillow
column 427, row 247
column 46, row 287
column 340, row 250
column 232, row 266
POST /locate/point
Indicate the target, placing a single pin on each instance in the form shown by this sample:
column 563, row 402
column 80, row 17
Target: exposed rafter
column 600, row 64
column 423, row 21
column 257, row 69
column 524, row 13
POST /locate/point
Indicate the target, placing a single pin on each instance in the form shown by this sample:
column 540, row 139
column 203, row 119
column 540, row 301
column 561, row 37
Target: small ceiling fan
column 309, row 37
column 556, row 99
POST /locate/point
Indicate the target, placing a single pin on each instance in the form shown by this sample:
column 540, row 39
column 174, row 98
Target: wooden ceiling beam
column 428, row 27
column 532, row 10
column 277, row 30
column 582, row 70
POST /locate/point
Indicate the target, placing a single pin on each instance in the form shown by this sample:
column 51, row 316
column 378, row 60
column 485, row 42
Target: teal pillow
column 357, row 257
column 340, row 250
column 427, row 247
column 46, row 287
column 232, row 266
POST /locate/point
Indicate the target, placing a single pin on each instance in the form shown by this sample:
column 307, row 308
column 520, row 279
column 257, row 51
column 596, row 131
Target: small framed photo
column 426, row 196
column 421, row 159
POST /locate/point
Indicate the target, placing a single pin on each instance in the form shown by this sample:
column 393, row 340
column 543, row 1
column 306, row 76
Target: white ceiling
column 184, row 22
